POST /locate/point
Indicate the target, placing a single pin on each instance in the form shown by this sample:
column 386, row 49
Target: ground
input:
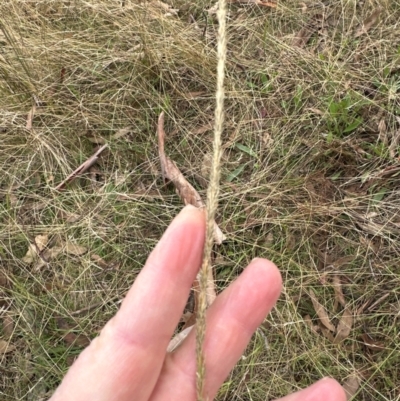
column 309, row 177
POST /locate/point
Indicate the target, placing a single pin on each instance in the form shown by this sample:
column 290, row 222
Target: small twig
column 82, row 168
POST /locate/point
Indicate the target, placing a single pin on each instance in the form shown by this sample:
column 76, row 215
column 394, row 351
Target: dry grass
column 310, row 176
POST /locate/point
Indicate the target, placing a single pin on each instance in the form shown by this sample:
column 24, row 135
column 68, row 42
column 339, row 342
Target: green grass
column 310, row 176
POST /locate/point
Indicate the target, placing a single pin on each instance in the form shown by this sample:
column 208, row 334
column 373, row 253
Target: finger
column 124, row 362
column 231, row 321
column 326, row 389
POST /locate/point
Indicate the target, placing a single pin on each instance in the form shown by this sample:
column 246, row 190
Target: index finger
column 124, row 362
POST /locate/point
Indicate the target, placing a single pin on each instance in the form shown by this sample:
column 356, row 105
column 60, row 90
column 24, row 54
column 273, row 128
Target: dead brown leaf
column 6, row 347
column 314, row 327
column 68, row 217
column 321, row 312
column 370, row 21
column 99, row 261
column 97, row 140
column 203, row 129
column 46, row 256
column 41, row 242
column 185, row 190
column 71, row 338
column 166, row 7
column 37, row 247
column 303, row 36
column 351, row 386
column 372, row 344
column 176, row 340
column 8, row 325
column 327, row 334
column 82, row 168
column 337, row 286
column 261, row 3
column 345, row 325
column 122, row 132
column 194, row 95
column 76, row 339
column 74, row 249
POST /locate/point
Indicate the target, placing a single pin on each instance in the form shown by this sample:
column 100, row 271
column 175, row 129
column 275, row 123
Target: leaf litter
column 351, row 386
column 189, row 195
column 40, row 253
column 345, row 325
column 321, row 312
column 185, row 190
column 6, row 347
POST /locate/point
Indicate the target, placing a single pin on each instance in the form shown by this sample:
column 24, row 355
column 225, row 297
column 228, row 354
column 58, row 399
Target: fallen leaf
column 39, row 244
column 96, row 140
column 46, row 256
column 337, row 286
column 30, row 255
column 74, row 249
column 194, row 95
column 372, row 344
column 370, row 21
column 185, row 190
column 203, row 129
column 122, row 132
column 82, row 168
column 351, row 386
column 310, row 324
column 8, row 325
column 5, row 347
column 76, row 339
column 71, row 338
column 257, row 2
column 176, row 340
column 68, row 217
column 321, row 312
column 303, row 36
column 327, row 334
column 99, row 261
column 166, row 7
column 344, row 326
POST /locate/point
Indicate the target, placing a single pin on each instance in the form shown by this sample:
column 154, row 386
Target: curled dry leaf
column 185, row 190
column 303, row 36
column 166, row 7
column 261, row 3
column 76, row 339
column 351, row 386
column 68, row 217
column 74, row 249
column 122, row 132
column 38, row 245
column 370, row 21
column 310, row 324
column 8, row 325
column 337, row 286
column 321, row 312
column 71, row 338
column 372, row 344
column 82, row 168
column 47, row 256
column 176, row 340
column 6, row 347
column 99, row 261
column 344, row 326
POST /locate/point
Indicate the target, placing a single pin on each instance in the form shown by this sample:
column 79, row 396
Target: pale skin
column 128, row 361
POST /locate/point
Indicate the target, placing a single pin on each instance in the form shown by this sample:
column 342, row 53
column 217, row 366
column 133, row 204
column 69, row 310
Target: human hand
column 128, row 361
